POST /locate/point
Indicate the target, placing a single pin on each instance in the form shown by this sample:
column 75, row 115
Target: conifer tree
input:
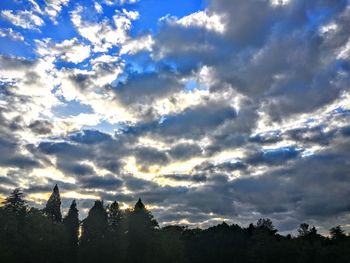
column 139, row 205
column 71, row 222
column 337, row 233
column 116, row 232
column 93, row 242
column 145, row 217
column 15, row 202
column 141, row 234
column 114, row 215
column 95, row 224
column 53, row 206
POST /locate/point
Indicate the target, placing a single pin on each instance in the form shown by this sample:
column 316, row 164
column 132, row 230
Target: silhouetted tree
column 71, row 223
column 340, row 245
column 170, row 246
column 15, row 203
column 304, row 230
column 266, row 224
column 114, row 215
column 93, row 242
column 95, row 224
column 116, row 247
column 337, row 233
column 141, row 234
column 53, row 206
column 133, row 235
column 27, row 235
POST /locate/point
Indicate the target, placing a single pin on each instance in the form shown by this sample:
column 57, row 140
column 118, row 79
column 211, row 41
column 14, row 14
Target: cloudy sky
column 208, row 110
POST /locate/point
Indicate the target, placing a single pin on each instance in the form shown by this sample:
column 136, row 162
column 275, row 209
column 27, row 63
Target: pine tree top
column 53, row 206
column 15, row 202
column 139, row 205
column 74, row 204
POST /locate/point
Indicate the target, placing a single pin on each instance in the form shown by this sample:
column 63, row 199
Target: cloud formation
column 235, row 111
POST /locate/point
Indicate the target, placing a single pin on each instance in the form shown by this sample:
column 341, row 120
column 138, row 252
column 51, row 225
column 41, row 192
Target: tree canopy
column 109, row 234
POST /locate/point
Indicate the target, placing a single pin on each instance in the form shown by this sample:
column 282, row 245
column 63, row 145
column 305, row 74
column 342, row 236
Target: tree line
column 109, row 234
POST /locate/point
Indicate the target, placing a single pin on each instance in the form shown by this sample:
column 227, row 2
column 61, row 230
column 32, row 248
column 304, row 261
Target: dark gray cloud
column 225, row 167
column 41, row 127
column 104, row 155
column 145, row 88
column 184, row 151
column 11, row 154
column 75, row 169
column 109, row 182
column 311, row 188
column 197, row 178
column 149, row 156
column 194, row 123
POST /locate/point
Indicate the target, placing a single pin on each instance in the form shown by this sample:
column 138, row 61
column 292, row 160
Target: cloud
column 31, row 81
column 12, row 155
column 23, row 18
column 143, row 89
column 136, row 45
column 41, row 127
column 104, row 34
column 10, row 33
column 184, row 151
column 274, row 156
column 119, row 2
column 258, row 47
column 196, row 122
column 300, row 191
column 68, row 50
column 150, row 156
column 98, row 7
column 105, row 182
column 201, row 19
column 54, row 7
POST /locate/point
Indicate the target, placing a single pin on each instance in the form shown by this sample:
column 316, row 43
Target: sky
column 210, row 111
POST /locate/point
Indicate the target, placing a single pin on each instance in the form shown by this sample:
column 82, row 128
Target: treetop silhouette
column 109, row 234
column 139, row 205
column 53, row 206
column 15, row 202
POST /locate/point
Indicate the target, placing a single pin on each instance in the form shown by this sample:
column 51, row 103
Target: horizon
column 208, row 110
column 185, row 225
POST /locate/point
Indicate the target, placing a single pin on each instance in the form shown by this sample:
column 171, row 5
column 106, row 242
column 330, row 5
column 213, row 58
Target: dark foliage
column 109, row 234
column 71, row 223
column 53, row 206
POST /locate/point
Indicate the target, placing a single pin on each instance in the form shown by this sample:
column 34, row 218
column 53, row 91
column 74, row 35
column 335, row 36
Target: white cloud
column 106, row 69
column 54, row 7
column 8, row 32
column 69, row 50
column 279, row 2
column 51, row 8
column 30, row 86
column 25, row 19
column 89, row 88
column 120, row 2
column 344, row 52
column 36, row 7
column 136, row 45
column 211, row 22
column 98, row 8
column 104, row 34
column 132, row 15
